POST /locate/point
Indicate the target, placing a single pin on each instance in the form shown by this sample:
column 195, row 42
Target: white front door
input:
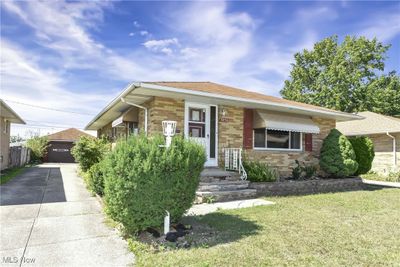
column 201, row 126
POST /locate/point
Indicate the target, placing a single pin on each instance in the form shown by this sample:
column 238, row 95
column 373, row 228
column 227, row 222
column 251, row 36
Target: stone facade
column 307, row 187
column 383, row 146
column 230, row 132
column 285, row 161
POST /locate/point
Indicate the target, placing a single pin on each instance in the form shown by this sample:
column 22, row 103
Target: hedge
column 364, row 150
column 337, row 155
column 143, row 180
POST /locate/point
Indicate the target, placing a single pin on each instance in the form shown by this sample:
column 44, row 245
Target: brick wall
column 383, row 146
column 160, row 109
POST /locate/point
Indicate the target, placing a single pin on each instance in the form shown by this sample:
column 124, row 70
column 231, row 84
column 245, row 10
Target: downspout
column 394, row 149
column 139, row 106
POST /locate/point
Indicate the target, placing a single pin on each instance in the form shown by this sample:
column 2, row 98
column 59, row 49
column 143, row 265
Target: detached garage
column 61, row 143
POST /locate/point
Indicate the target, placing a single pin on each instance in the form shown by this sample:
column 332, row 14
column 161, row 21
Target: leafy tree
column 344, row 76
column 16, row 139
column 38, row 146
column 89, row 151
column 364, row 149
column 338, row 158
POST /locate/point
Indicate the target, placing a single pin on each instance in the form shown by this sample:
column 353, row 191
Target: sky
column 63, row 61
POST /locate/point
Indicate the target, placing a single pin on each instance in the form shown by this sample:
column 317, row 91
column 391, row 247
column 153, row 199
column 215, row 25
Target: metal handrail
column 233, row 161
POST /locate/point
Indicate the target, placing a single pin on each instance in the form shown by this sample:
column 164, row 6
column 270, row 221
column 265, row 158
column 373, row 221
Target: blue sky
column 77, row 56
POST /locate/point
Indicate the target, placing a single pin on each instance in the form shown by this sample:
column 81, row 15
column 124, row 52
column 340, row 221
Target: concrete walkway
column 381, row 183
column 48, row 218
column 205, row 208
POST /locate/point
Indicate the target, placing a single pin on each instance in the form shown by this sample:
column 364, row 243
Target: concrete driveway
column 48, row 218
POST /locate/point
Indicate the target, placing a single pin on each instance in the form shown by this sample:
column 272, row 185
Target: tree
column 89, row 151
column 38, row 146
column 344, row 76
column 16, row 139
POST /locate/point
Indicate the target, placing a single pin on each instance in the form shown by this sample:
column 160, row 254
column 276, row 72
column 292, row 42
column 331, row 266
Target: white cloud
column 136, row 24
column 163, row 45
column 144, row 33
column 382, row 26
column 131, row 34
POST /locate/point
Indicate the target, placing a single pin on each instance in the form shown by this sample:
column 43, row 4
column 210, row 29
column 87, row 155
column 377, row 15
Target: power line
column 43, row 126
column 51, row 123
column 53, row 109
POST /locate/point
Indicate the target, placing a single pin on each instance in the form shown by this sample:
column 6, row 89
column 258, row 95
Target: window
column 197, row 122
column 274, row 139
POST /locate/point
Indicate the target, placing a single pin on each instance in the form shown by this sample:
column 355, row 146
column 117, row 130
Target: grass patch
column 391, row 177
column 360, row 228
column 8, row 174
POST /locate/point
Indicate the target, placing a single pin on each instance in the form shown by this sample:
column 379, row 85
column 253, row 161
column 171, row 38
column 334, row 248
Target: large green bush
column 143, row 180
column 337, row 155
column 89, row 151
column 38, row 146
column 364, row 150
column 259, row 172
column 95, row 178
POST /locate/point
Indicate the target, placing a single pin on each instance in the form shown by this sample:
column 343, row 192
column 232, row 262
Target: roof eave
column 17, row 118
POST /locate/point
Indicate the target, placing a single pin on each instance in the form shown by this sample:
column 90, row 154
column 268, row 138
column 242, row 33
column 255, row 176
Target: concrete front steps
column 219, row 186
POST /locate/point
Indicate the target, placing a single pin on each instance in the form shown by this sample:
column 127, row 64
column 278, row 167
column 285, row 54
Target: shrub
column 143, row 180
column 309, row 171
column 337, row 155
column 297, row 171
column 38, row 146
column 364, row 150
column 259, row 172
column 95, row 179
column 89, row 151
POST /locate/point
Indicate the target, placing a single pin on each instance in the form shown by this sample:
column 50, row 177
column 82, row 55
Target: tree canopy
column 345, row 76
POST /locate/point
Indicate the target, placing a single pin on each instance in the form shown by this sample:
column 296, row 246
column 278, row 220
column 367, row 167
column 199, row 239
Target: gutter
column 394, row 149
column 138, row 106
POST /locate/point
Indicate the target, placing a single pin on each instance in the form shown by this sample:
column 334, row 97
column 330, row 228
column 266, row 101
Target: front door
column 201, row 126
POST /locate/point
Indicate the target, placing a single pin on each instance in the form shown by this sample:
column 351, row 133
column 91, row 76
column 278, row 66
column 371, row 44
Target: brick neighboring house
column 384, row 132
column 269, row 129
column 7, row 116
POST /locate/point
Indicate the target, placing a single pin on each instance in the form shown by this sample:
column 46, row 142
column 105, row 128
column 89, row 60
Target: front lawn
column 391, row 177
column 360, row 228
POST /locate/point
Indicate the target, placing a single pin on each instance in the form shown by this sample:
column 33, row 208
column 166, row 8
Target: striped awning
column 283, row 122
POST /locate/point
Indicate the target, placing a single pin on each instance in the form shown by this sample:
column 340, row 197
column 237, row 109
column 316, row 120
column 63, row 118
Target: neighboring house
column 384, row 132
column 61, row 143
column 269, row 129
column 7, row 116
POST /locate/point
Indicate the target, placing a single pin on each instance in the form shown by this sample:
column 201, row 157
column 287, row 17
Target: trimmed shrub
column 38, row 146
column 95, row 178
column 259, row 172
column 337, row 155
column 364, row 150
column 143, row 180
column 89, row 151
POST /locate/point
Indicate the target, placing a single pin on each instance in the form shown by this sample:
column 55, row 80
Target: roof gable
column 70, row 134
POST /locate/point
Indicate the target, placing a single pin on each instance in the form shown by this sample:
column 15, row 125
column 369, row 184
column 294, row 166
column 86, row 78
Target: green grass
column 8, row 174
column 391, row 177
column 360, row 228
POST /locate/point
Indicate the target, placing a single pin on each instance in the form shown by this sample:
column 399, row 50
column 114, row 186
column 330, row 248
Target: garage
column 60, row 145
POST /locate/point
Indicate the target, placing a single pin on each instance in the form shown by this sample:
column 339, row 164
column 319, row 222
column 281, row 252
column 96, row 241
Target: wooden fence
column 19, row 156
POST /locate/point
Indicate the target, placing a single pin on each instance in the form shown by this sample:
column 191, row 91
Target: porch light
column 169, row 128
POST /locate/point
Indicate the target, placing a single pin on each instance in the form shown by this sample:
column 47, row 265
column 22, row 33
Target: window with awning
column 281, row 132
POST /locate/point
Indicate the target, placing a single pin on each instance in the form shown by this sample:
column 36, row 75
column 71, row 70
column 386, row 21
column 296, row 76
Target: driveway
column 48, row 218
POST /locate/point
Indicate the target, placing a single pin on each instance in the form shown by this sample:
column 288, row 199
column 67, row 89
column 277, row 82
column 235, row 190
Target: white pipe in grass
column 166, row 223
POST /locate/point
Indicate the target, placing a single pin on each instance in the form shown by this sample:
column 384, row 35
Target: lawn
column 360, row 228
column 391, row 177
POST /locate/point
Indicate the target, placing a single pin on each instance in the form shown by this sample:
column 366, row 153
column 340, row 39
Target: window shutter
column 247, row 128
column 308, row 141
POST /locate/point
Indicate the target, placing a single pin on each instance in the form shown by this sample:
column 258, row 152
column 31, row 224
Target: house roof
column 9, row 114
column 373, row 123
column 139, row 92
column 70, row 134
